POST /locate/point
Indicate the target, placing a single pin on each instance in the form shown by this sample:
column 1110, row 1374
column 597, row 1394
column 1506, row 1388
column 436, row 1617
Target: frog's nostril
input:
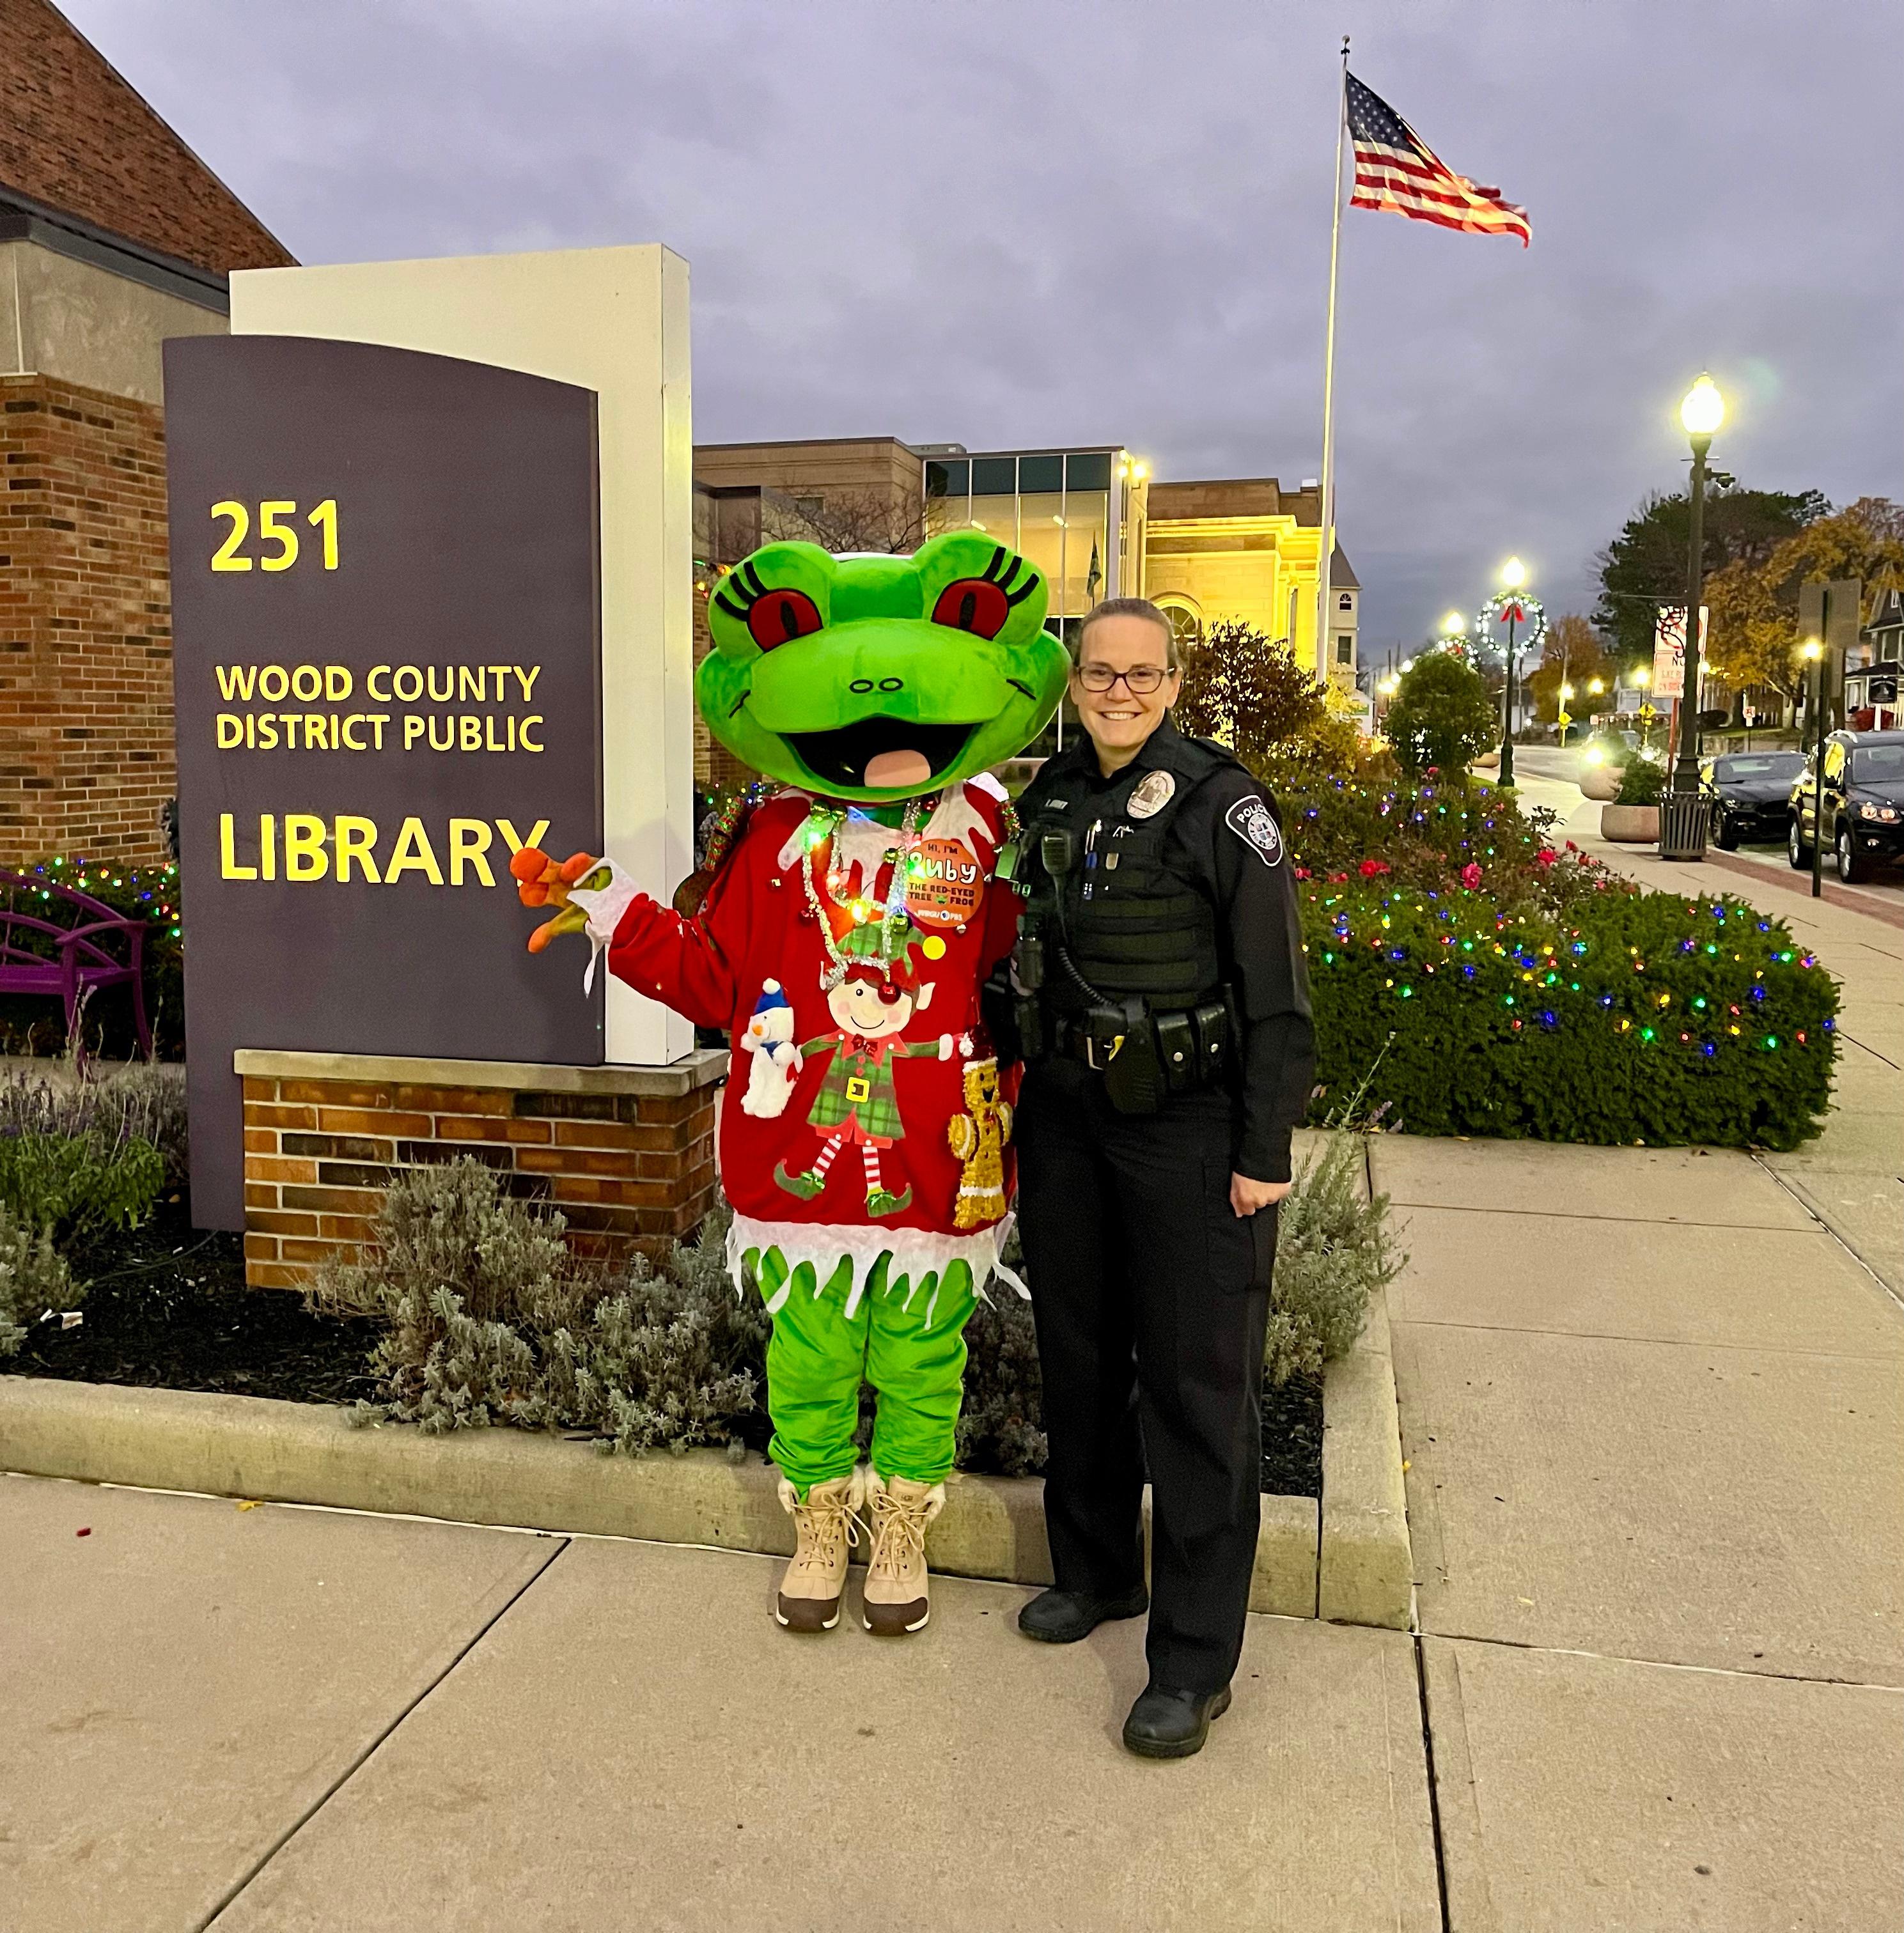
column 891, row 683
column 861, row 684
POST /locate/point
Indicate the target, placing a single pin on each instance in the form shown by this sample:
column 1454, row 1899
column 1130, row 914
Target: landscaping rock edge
column 1366, row 1569
column 1349, row 1558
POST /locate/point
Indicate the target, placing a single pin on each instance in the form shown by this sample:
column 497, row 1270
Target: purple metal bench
column 39, row 956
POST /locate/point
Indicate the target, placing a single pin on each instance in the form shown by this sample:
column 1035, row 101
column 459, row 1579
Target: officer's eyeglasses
column 1140, row 680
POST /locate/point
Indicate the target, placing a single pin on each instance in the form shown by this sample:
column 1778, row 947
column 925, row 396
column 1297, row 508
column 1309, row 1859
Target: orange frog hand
column 570, row 919
column 541, row 881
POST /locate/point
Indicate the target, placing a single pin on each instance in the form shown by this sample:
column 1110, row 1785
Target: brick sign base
column 626, row 1153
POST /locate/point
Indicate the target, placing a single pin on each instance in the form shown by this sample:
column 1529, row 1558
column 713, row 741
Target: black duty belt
column 1145, row 1055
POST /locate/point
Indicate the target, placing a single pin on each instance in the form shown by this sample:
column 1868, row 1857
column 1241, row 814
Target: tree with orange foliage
column 1572, row 654
column 1752, row 611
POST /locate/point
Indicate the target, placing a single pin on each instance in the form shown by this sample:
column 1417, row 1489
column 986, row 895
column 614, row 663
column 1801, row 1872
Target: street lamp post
column 1813, row 652
column 1682, row 821
column 1513, row 575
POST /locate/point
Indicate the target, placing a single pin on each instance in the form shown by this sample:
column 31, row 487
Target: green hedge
column 1635, row 1017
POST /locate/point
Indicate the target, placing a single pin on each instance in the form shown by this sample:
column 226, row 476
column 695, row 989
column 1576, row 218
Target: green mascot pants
column 905, row 1338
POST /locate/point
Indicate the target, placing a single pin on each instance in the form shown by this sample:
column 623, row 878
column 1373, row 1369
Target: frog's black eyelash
column 751, row 588
column 1003, row 571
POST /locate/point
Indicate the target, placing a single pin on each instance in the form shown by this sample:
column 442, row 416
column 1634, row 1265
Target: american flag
column 1395, row 169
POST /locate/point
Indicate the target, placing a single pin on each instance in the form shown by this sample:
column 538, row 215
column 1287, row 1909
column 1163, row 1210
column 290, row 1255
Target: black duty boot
column 1164, row 1724
column 1063, row 1617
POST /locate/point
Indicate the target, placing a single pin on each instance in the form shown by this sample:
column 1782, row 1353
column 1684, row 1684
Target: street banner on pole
column 1669, row 650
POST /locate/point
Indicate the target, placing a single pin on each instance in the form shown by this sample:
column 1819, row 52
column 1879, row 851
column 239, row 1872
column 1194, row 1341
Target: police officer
column 1159, row 996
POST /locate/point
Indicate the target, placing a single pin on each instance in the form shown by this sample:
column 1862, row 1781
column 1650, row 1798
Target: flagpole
column 1326, row 552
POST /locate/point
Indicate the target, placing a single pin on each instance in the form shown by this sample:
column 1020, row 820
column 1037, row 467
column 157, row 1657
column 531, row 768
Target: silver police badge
column 1255, row 824
column 1153, row 792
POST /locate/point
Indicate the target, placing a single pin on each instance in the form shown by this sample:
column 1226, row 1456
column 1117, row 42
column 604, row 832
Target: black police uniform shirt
column 1222, row 838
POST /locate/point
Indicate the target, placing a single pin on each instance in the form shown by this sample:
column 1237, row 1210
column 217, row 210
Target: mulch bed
column 167, row 1308
column 1292, row 1438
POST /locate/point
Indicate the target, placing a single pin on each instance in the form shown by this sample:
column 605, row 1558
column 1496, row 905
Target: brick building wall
column 626, row 1154
column 86, row 748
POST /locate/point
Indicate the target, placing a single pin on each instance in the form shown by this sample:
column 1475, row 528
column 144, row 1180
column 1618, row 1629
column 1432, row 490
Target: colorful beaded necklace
column 822, row 823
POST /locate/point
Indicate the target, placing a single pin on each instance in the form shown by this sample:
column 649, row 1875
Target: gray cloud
column 1041, row 221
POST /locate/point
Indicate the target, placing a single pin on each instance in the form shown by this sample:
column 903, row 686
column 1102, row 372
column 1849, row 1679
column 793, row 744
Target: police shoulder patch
column 1253, row 822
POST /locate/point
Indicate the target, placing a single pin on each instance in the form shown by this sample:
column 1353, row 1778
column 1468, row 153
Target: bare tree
column 840, row 521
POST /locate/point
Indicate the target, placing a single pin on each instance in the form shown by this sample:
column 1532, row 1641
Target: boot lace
column 898, row 1533
column 826, row 1532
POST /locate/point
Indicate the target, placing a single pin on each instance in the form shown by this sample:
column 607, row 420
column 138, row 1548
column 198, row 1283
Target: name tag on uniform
column 858, row 1088
column 1255, row 824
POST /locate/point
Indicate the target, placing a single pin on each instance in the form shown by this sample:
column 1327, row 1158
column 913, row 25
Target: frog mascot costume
column 840, row 930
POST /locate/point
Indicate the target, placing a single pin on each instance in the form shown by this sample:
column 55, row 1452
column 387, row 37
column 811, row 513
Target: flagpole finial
column 1345, row 47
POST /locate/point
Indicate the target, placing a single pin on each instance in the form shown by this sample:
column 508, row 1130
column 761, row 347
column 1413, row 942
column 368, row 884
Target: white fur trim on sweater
column 915, row 1253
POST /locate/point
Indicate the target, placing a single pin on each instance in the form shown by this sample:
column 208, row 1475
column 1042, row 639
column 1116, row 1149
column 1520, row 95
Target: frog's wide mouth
column 881, row 754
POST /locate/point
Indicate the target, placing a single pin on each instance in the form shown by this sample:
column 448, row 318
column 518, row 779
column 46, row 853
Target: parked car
column 1860, row 803
column 1750, row 795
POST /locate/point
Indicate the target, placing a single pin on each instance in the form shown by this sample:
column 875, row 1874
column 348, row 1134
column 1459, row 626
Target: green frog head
column 873, row 678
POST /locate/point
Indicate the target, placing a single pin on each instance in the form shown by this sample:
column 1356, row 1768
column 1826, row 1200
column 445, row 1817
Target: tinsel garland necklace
column 823, row 822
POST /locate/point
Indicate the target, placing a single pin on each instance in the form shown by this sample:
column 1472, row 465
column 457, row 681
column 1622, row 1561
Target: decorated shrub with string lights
column 1441, row 833
column 1630, row 1017
column 150, row 893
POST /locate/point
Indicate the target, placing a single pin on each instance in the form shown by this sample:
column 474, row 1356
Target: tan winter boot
column 823, row 1527
column 898, row 1594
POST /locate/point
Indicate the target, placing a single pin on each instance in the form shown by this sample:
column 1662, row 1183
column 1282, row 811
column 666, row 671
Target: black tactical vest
column 1129, row 926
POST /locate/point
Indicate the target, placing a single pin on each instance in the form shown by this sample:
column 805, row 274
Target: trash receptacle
column 1682, row 820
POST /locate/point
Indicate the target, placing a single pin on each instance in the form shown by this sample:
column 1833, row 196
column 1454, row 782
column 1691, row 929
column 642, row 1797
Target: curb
column 1366, row 1573
column 1348, row 1561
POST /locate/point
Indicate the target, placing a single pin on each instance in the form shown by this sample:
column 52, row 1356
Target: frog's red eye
column 779, row 615
column 973, row 604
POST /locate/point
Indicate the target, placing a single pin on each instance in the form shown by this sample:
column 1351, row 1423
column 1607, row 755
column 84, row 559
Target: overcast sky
column 1044, row 221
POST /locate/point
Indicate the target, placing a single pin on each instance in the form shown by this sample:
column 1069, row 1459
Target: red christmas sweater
column 879, row 1078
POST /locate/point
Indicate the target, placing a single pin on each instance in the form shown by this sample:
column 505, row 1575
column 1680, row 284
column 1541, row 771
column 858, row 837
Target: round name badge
column 944, row 883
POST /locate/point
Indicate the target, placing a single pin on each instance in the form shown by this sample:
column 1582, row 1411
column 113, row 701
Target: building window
column 994, row 476
column 810, row 506
column 948, row 479
column 1345, row 648
column 1186, row 624
column 1346, row 601
column 1091, row 472
column 1039, row 474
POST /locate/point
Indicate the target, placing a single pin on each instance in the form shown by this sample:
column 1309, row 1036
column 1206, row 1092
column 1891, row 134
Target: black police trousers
column 1151, row 1297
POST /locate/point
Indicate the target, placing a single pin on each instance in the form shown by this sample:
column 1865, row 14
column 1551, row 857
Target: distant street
column 1547, row 775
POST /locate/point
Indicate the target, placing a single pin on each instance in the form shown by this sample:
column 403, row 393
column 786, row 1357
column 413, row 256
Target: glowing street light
column 1453, row 625
column 1513, row 574
column 1682, row 821
column 1596, row 686
column 1640, row 677
column 1408, row 664
column 1566, row 691
column 1703, row 409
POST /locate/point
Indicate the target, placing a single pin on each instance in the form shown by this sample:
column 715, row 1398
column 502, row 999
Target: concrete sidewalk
column 1653, row 1405
column 293, row 1719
